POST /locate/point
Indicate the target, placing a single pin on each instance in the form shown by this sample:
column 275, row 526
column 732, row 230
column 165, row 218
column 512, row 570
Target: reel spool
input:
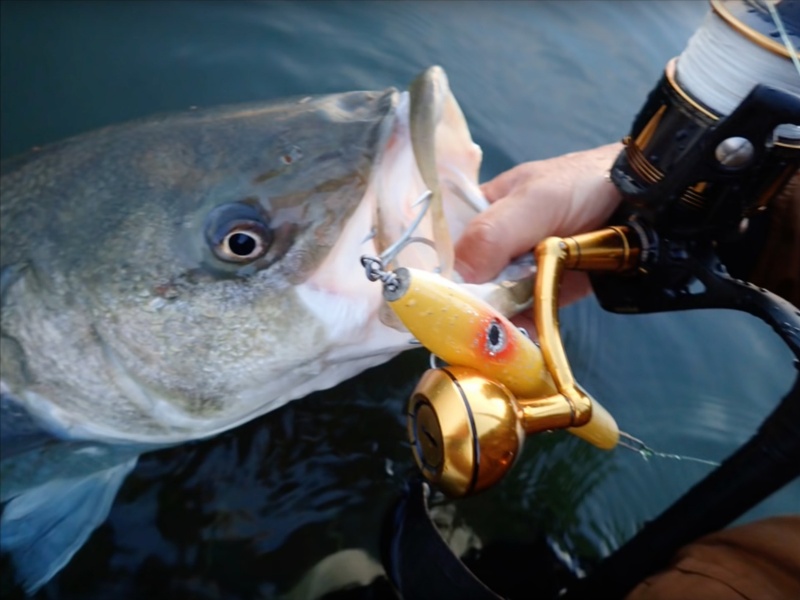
column 465, row 430
column 718, row 137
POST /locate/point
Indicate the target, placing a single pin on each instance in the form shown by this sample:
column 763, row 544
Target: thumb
column 480, row 255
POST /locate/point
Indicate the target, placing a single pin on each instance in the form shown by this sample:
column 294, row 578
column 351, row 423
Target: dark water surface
column 247, row 514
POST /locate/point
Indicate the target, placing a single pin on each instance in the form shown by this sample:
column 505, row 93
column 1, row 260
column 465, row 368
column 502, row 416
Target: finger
column 574, row 287
column 508, row 228
column 487, row 244
column 525, row 321
column 498, row 187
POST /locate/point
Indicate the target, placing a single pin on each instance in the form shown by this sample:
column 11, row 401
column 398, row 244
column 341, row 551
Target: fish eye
column 495, row 337
column 242, row 244
column 238, row 233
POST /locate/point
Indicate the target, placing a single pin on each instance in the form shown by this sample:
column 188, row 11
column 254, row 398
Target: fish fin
column 42, row 528
column 19, row 431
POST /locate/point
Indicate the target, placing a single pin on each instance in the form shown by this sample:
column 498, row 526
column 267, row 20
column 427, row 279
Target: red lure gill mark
column 495, row 340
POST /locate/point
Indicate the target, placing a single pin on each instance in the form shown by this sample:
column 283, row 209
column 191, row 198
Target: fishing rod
column 715, row 143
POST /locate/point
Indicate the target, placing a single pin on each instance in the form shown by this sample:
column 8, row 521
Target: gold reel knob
column 465, row 430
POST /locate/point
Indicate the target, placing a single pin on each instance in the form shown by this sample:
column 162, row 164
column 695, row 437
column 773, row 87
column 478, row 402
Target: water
column 247, row 514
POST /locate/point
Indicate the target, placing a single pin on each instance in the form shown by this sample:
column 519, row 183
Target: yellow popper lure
column 467, row 420
column 466, row 331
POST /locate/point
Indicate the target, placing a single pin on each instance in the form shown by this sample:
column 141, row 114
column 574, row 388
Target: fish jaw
column 444, row 161
column 410, row 164
column 449, row 162
column 351, row 308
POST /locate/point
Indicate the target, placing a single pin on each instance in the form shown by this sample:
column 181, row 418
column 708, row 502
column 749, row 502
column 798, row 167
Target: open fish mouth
column 430, row 165
column 429, row 151
column 426, row 152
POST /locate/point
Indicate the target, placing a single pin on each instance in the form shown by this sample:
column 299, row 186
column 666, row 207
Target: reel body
column 691, row 177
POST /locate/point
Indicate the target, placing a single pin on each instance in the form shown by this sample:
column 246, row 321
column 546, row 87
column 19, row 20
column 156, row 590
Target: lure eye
column 238, row 233
column 496, row 337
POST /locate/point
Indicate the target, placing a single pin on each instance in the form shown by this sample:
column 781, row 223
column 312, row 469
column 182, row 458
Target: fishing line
column 646, row 452
column 720, row 66
column 776, row 17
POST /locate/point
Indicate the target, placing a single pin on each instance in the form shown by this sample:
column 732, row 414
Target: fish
column 169, row 279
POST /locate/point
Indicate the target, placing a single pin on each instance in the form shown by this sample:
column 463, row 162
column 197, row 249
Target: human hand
column 559, row 196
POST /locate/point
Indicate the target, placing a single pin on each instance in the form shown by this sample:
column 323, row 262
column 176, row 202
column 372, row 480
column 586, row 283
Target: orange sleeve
column 757, row 561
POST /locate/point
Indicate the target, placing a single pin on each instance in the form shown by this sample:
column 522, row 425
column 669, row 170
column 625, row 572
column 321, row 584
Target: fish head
column 172, row 278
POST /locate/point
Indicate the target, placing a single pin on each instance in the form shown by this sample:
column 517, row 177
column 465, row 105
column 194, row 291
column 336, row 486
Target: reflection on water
column 247, row 514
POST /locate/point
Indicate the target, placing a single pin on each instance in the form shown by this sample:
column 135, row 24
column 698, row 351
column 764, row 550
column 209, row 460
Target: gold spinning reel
column 468, row 421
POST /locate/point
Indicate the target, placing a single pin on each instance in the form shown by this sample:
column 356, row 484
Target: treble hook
column 374, row 266
column 388, row 255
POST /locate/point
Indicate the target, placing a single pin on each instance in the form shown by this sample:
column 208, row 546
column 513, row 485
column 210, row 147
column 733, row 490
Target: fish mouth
column 425, row 148
column 429, row 152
